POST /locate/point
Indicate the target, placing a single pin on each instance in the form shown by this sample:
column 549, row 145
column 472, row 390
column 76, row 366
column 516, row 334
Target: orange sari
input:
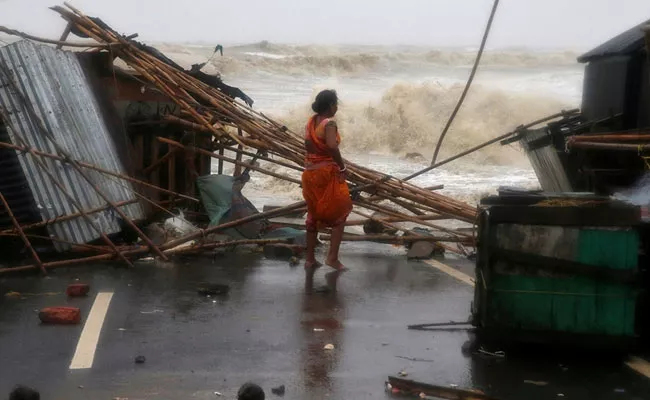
column 328, row 200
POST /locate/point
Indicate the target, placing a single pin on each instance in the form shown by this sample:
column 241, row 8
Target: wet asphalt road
column 271, row 329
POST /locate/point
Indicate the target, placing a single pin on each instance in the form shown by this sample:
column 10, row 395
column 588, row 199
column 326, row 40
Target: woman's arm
column 332, row 144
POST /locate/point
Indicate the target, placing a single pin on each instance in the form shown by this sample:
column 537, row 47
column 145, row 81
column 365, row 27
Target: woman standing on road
column 323, row 181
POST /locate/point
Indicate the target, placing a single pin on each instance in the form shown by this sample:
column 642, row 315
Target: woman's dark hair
column 324, row 100
column 250, row 391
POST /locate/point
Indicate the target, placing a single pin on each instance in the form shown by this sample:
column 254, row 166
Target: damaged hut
column 102, row 142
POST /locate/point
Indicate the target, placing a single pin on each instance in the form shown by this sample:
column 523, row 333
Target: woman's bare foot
column 336, row 264
column 312, row 265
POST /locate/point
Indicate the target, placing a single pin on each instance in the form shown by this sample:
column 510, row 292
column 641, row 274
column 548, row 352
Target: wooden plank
column 442, row 392
column 238, row 156
column 566, row 216
column 172, row 170
column 220, row 171
column 155, row 174
column 531, row 264
column 64, row 35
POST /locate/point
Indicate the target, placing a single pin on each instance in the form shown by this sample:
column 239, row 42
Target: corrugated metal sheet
column 627, row 42
column 55, row 85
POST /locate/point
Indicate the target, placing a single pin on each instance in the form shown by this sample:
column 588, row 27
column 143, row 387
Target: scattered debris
column 417, row 388
column 213, row 289
column 423, row 250
column 329, row 347
column 218, row 394
column 403, row 373
column 283, row 251
column 77, row 290
column 536, row 383
column 495, row 354
column 151, row 312
column 414, row 359
column 279, row 391
column 178, row 226
column 60, row 315
column 140, row 359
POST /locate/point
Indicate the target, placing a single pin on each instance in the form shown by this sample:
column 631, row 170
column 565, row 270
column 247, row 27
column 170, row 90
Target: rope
column 469, row 82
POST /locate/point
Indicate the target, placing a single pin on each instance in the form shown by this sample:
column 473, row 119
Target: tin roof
column 54, row 83
column 627, row 42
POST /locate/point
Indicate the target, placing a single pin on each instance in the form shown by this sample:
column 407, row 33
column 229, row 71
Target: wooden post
column 238, row 157
column 14, row 221
column 155, row 174
column 442, row 392
column 96, row 168
column 70, row 216
column 220, row 171
column 171, row 169
column 64, row 36
column 230, row 160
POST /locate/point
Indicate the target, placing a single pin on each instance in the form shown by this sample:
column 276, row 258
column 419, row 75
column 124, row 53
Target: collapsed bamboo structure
column 235, row 127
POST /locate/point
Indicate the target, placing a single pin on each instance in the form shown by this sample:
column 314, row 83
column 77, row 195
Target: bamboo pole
column 431, row 217
column 28, row 244
column 238, row 157
column 639, row 148
column 27, row 36
column 64, row 36
column 70, row 216
column 63, row 263
column 229, row 243
column 86, row 165
column 491, row 141
column 273, row 213
column 187, row 124
column 397, row 239
column 221, row 157
column 264, row 134
column 41, row 126
column 264, row 158
column 610, row 138
column 63, row 190
column 158, row 162
column 230, row 160
column 73, row 244
column 394, row 213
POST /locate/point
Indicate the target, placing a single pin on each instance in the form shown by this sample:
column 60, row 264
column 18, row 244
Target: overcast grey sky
column 530, row 23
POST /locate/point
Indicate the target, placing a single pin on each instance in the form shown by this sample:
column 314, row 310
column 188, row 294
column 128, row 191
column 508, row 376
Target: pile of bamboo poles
column 206, row 109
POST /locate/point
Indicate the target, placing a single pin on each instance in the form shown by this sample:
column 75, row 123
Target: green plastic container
column 536, row 275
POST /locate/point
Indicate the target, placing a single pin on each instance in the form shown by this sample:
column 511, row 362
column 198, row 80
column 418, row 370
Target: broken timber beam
column 28, row 244
column 95, row 168
column 442, row 392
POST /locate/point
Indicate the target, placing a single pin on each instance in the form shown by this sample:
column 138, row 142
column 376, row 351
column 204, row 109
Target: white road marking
column 85, row 353
column 461, row 276
column 639, row 365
